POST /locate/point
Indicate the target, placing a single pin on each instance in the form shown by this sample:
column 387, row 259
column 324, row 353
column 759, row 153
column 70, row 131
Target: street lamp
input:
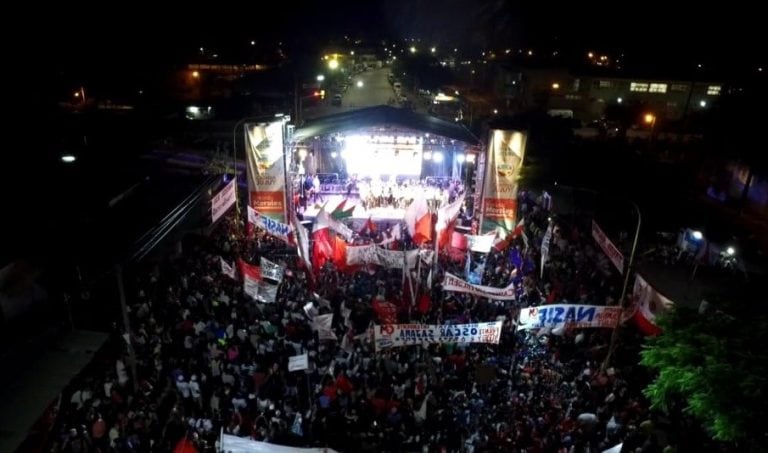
column 730, row 251
column 333, row 64
column 649, row 118
column 359, row 84
column 196, row 74
column 320, row 78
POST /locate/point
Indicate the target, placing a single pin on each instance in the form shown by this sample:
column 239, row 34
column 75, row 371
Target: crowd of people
column 375, row 193
column 209, row 359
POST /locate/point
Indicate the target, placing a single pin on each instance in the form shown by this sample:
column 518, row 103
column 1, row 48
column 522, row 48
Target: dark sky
column 133, row 32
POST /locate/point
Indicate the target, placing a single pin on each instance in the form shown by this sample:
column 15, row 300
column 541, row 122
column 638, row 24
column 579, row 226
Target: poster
column 505, row 159
column 265, row 164
column 223, row 200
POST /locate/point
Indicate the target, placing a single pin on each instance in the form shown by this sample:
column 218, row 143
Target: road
column 376, row 90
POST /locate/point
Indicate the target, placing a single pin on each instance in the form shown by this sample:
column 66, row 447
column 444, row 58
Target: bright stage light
column 427, row 155
column 379, row 155
column 460, row 158
column 437, row 156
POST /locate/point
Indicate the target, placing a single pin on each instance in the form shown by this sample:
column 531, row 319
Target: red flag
column 250, row 270
column 339, row 253
column 368, row 226
column 322, row 249
column 446, row 221
column 425, row 302
column 185, row 446
column 385, row 311
column 419, row 220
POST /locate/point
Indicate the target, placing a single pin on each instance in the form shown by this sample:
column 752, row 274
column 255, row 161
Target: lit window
column 658, row 88
column 678, row 87
column 636, row 86
column 604, row 84
column 714, row 90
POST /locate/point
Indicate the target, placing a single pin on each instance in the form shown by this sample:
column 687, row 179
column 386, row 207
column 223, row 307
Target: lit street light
column 433, row 50
column 333, row 64
column 555, row 86
column 697, row 235
column 730, row 251
column 619, row 100
column 702, row 103
column 320, row 78
column 359, row 83
column 413, row 49
column 196, row 74
column 68, row 158
column 649, row 118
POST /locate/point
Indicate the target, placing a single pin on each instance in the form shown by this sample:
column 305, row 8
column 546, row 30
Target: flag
column 322, row 248
column 296, row 427
column 251, row 278
column 446, row 220
column 339, row 253
column 342, row 211
column 185, row 446
column 227, row 269
column 419, row 220
column 303, row 242
column 425, row 302
column 368, row 226
column 394, row 234
column 545, row 248
column 385, row 311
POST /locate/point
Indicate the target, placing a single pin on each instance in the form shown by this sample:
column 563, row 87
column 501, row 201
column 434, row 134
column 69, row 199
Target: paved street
column 375, row 91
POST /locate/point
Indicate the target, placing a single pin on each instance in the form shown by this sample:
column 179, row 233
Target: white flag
column 227, row 269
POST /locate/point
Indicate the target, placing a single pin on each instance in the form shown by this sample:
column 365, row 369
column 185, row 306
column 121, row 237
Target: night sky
column 652, row 32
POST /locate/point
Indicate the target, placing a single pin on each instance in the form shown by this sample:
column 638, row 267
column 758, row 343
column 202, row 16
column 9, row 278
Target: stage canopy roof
column 383, row 115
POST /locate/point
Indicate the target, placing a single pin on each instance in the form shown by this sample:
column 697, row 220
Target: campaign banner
column 568, row 316
column 505, row 158
column 607, row 247
column 271, row 270
column 372, row 254
column 280, row 230
column 298, row 362
column 457, row 285
column 265, row 164
column 223, row 200
column 398, row 335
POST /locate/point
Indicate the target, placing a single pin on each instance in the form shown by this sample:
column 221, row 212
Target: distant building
column 589, row 95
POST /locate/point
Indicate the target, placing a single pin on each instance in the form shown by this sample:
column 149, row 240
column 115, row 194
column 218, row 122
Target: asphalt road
column 375, row 91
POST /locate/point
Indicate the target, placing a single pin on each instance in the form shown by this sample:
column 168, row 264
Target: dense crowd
column 210, row 358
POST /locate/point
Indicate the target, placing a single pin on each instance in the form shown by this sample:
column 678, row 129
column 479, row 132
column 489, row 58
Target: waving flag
column 342, row 211
column 227, row 269
column 419, row 220
column 446, row 220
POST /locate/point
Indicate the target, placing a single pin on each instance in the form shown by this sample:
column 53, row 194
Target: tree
column 714, row 367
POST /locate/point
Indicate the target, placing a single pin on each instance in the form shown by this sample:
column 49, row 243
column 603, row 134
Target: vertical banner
column 223, row 200
column 607, row 247
column 505, row 158
column 265, row 162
